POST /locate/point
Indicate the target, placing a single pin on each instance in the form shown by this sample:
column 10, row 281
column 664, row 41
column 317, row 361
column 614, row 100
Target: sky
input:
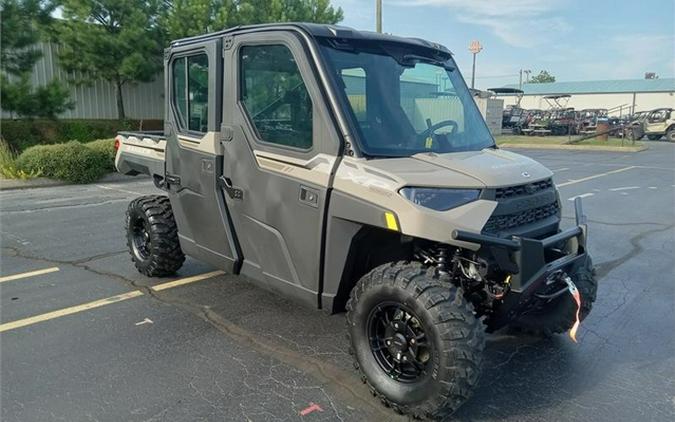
column 574, row 40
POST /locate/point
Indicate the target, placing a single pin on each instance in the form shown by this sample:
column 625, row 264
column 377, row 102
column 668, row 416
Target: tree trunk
column 120, row 101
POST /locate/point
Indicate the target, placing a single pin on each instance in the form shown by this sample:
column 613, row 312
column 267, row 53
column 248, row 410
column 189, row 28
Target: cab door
column 656, row 121
column 194, row 159
column 280, row 150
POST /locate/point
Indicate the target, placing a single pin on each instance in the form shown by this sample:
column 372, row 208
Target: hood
column 494, row 168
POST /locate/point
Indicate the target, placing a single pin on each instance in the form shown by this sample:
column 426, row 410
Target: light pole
column 378, row 16
column 474, row 48
column 527, row 78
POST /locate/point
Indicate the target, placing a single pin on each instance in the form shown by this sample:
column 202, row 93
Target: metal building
column 619, row 96
column 98, row 100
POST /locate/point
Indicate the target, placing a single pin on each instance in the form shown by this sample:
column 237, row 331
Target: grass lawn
column 559, row 140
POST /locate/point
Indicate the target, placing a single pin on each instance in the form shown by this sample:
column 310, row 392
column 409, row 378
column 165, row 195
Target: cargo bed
column 141, row 153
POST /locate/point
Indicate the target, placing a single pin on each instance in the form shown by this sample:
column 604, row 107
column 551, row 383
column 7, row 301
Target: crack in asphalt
column 604, row 268
column 343, row 384
column 607, row 223
column 65, row 206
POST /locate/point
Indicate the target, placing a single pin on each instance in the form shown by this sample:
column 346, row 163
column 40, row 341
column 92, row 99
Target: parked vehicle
column 659, row 123
column 587, row 120
column 513, row 117
column 563, row 121
column 635, row 127
column 352, row 171
column 537, row 122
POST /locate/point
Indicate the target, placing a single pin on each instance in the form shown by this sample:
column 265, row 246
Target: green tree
column 24, row 23
column 119, row 41
column 183, row 18
column 542, row 77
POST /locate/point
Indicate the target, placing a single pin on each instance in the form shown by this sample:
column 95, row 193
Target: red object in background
column 117, row 144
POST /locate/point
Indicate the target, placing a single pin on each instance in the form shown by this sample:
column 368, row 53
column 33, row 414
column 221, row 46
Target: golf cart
column 513, row 116
column 587, row 120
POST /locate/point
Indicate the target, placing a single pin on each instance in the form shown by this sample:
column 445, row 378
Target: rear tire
column 560, row 314
column 152, row 236
column 410, row 302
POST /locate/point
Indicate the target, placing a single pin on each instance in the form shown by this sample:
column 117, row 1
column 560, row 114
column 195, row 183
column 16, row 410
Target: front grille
column 521, row 190
column 498, row 223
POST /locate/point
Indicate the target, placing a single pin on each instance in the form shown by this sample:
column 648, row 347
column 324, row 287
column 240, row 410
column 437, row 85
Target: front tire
column 152, row 236
column 415, row 339
column 670, row 135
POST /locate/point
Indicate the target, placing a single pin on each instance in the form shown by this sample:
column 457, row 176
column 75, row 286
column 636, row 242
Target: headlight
column 439, row 199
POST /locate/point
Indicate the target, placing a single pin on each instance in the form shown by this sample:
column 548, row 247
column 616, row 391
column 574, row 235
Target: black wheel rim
column 140, row 239
column 398, row 342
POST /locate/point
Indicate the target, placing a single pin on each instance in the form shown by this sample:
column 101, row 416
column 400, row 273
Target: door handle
column 232, row 191
column 309, row 196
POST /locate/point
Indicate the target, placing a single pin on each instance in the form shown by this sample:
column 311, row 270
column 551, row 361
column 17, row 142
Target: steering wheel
column 433, row 128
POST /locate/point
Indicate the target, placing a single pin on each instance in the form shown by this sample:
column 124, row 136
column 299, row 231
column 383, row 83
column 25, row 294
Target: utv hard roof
column 555, row 97
column 505, row 90
column 314, row 30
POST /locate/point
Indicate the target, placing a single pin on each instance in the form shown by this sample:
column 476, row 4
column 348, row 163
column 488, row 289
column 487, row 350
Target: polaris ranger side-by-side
column 352, row 171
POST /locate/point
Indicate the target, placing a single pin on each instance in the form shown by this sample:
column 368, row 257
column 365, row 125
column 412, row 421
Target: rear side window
column 190, row 78
column 275, row 96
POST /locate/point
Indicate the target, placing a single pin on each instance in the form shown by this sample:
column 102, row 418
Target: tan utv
column 660, row 123
column 353, row 171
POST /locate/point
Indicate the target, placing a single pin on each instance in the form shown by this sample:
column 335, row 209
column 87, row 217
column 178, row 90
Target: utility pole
column 520, row 80
column 378, row 16
column 474, row 48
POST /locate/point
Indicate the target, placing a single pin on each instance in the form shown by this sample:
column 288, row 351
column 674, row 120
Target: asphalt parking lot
column 84, row 337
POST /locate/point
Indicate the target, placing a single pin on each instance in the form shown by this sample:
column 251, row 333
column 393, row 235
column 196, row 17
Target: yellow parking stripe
column 68, row 311
column 102, row 302
column 187, row 280
column 28, row 274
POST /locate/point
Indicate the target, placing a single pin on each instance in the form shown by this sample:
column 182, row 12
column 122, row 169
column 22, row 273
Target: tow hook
column 577, row 299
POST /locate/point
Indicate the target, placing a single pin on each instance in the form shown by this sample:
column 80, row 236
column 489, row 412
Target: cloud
column 619, row 56
column 520, row 23
column 635, row 54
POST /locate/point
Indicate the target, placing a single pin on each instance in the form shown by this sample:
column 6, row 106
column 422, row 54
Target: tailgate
column 140, row 153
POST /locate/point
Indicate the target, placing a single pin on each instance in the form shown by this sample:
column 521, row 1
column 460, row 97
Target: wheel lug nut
column 412, row 341
column 388, row 342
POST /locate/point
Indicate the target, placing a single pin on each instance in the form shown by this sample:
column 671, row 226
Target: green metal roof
column 599, row 87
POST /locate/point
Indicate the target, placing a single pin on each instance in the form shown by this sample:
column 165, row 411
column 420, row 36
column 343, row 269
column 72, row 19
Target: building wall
column 643, row 101
column 98, row 101
column 491, row 109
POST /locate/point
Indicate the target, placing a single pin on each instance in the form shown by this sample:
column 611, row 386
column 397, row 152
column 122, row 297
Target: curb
column 643, row 147
column 43, row 182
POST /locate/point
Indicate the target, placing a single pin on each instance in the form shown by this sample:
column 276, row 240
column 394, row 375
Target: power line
column 496, row 76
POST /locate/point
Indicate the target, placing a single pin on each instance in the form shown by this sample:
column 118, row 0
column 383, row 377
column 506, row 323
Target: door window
column 191, row 92
column 659, row 116
column 275, row 96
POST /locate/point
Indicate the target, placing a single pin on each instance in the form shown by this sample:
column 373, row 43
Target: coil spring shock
column 442, row 261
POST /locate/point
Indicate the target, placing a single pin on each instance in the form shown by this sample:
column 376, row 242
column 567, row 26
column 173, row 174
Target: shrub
column 107, row 148
column 8, row 167
column 72, row 162
column 22, row 134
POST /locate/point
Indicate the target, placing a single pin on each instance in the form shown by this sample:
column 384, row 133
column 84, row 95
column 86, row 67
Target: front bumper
column 532, row 263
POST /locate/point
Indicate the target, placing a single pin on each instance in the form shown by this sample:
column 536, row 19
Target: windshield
column 402, row 103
